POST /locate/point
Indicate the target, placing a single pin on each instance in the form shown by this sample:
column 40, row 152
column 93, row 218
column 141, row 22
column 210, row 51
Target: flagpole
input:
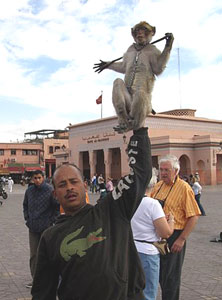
column 178, row 62
column 102, row 105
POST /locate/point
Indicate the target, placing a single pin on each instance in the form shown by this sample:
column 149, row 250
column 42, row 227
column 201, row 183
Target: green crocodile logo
column 70, row 246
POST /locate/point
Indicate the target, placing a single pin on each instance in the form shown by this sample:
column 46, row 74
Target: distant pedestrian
column 94, row 184
column 101, row 182
column 3, row 180
column 109, row 185
column 197, row 189
column 10, row 184
column 197, row 176
column 40, row 209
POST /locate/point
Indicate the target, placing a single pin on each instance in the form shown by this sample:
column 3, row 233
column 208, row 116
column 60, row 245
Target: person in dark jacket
column 39, row 209
column 90, row 253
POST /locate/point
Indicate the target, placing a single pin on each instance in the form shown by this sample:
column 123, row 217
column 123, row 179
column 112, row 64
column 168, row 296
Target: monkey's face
column 142, row 35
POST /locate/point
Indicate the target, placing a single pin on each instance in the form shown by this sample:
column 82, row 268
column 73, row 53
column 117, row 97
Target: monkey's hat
column 142, row 25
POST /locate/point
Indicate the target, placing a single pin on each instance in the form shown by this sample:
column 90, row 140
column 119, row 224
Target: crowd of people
column 99, row 185
column 7, row 181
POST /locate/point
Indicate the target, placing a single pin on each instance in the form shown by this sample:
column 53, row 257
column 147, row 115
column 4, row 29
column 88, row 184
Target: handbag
column 162, row 246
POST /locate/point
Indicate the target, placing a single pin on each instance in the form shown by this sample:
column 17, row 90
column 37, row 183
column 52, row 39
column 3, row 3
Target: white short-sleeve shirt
column 142, row 225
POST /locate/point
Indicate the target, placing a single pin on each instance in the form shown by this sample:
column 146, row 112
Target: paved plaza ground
column 202, row 271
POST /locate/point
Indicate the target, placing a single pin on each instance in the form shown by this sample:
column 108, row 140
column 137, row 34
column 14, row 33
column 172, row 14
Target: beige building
column 17, row 159
column 197, row 142
column 52, row 141
column 36, row 152
column 52, row 146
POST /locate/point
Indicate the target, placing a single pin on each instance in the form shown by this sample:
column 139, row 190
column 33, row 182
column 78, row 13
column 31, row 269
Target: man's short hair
column 67, row 164
column 37, row 172
column 174, row 161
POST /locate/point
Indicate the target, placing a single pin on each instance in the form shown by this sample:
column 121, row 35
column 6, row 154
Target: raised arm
column 159, row 61
column 131, row 188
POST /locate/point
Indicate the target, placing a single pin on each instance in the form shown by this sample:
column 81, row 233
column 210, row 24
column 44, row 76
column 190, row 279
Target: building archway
column 185, row 169
column 85, row 165
column 100, row 165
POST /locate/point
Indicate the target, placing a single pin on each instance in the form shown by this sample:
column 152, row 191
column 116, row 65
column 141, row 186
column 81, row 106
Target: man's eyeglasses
column 165, row 170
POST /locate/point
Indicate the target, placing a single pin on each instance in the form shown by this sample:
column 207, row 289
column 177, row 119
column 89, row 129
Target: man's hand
column 169, row 40
column 177, row 245
column 100, row 66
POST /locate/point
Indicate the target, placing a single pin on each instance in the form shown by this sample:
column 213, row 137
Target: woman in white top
column 149, row 223
column 197, row 189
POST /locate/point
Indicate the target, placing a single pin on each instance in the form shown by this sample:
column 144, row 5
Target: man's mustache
column 68, row 194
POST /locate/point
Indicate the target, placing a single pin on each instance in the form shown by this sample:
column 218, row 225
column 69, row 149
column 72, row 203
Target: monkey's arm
column 159, row 61
column 118, row 67
column 112, row 65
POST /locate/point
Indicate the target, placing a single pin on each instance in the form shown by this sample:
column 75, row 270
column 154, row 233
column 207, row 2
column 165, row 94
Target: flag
column 99, row 100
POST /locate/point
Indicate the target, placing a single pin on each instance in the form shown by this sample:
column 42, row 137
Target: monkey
column 141, row 63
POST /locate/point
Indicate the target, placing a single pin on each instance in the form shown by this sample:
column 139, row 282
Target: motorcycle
column 3, row 193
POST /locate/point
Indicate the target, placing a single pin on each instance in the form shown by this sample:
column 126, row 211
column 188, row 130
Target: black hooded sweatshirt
column 91, row 255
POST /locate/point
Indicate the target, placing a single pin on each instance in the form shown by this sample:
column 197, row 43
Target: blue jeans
column 151, row 267
column 197, row 197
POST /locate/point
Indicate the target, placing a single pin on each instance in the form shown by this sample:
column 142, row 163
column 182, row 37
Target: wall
column 192, row 139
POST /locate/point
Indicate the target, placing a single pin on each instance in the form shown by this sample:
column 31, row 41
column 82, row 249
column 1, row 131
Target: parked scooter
column 3, row 193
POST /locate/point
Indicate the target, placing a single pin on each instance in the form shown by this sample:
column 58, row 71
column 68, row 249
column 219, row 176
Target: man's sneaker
column 29, row 285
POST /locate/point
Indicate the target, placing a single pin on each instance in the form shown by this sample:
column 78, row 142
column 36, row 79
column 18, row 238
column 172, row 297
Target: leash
column 163, row 38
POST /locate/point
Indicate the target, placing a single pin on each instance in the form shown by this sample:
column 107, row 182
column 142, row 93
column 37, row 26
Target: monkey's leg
column 121, row 102
column 140, row 108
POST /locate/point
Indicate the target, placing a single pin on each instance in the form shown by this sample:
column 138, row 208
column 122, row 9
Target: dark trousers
column 170, row 270
column 34, row 238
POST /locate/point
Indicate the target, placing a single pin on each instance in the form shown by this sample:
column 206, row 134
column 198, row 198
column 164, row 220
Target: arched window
column 50, row 149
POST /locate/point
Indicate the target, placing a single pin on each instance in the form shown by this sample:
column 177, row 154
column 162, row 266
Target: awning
column 50, row 160
column 4, row 171
column 16, row 169
column 30, row 169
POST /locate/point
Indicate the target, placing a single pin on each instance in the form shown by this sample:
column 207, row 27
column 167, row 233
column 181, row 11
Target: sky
column 48, row 49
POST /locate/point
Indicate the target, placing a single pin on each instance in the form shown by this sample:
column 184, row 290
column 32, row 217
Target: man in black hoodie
column 90, row 253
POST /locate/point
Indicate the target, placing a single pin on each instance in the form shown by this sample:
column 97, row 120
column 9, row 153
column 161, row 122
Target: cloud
column 48, row 49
